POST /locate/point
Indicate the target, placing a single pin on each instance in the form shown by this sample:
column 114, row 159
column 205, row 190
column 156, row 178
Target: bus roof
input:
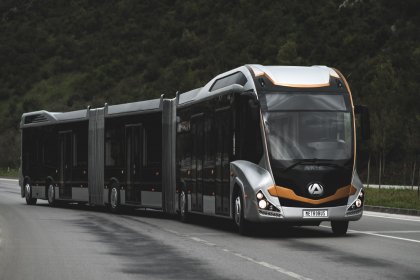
column 238, row 79
column 39, row 118
column 286, row 76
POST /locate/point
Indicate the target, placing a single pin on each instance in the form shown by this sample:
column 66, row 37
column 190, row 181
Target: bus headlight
column 359, row 201
column 357, row 204
column 265, row 208
column 262, row 203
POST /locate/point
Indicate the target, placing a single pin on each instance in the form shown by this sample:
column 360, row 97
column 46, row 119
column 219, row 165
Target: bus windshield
column 308, row 126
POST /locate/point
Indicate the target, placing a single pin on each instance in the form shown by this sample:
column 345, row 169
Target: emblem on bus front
column 315, row 189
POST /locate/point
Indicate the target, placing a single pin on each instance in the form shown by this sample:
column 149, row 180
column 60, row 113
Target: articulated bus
column 256, row 144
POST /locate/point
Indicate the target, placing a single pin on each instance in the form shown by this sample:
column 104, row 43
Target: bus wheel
column 51, row 195
column 183, row 207
column 339, row 227
column 238, row 215
column 114, row 200
column 28, row 195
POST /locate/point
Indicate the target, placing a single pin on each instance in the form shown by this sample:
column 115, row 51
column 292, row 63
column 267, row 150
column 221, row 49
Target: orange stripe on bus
column 286, row 193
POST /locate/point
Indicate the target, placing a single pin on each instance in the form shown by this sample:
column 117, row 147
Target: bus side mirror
column 362, row 116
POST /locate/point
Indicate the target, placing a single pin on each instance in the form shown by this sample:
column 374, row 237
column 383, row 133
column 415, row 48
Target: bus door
column 197, row 130
column 66, row 164
column 134, row 155
column 223, row 138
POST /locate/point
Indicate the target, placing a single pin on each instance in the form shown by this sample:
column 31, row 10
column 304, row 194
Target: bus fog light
column 358, row 203
column 260, row 195
column 262, row 204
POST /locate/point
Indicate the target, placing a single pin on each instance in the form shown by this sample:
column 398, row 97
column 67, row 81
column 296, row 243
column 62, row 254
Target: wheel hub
column 27, row 191
column 114, row 197
column 182, row 203
column 50, row 193
column 238, row 209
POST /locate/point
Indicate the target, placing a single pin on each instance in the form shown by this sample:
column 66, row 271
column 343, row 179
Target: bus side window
column 81, row 149
column 249, row 126
column 30, row 146
column 152, row 147
column 114, row 155
column 50, row 147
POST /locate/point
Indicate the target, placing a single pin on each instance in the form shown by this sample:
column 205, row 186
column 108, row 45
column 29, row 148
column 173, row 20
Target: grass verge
column 407, row 199
column 9, row 173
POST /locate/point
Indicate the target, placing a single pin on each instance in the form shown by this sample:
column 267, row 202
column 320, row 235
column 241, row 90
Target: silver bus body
column 299, row 167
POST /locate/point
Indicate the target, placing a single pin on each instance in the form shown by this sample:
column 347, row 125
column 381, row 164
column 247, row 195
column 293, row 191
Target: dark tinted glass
column 305, row 102
column 306, row 135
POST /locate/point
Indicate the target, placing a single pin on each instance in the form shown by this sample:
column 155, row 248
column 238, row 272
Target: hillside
column 65, row 55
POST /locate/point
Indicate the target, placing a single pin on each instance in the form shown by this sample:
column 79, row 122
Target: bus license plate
column 315, row 213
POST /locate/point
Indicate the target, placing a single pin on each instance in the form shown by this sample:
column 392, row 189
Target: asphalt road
column 78, row 242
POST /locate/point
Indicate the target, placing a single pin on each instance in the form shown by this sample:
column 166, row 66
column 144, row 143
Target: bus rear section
column 105, row 156
column 54, row 160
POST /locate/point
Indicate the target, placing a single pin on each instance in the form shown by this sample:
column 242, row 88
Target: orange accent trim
column 290, row 194
column 258, row 72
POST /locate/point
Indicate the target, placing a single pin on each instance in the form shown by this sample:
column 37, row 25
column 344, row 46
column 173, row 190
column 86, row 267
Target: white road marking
column 202, row 241
column 388, row 236
column 11, row 180
column 264, row 264
column 380, row 235
column 172, row 231
column 394, row 217
column 395, row 231
column 206, row 233
column 273, row 267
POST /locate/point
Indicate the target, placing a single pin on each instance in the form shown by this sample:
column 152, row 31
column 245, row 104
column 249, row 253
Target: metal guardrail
column 373, row 186
column 391, row 210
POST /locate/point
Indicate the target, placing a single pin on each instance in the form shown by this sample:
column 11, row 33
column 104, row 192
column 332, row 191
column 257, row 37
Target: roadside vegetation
column 396, row 198
column 9, row 173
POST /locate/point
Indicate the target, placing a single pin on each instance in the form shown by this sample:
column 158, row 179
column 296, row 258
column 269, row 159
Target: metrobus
column 255, row 144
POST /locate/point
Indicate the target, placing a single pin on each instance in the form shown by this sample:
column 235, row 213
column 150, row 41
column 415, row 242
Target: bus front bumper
column 297, row 214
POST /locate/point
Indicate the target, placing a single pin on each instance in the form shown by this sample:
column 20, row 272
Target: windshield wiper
column 314, row 161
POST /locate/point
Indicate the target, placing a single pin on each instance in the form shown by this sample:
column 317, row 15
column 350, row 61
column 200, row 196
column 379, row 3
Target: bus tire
column 241, row 224
column 28, row 195
column 51, row 195
column 114, row 200
column 339, row 228
column 183, row 207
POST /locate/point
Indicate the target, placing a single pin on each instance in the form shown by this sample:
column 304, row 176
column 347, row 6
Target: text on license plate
column 315, row 213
